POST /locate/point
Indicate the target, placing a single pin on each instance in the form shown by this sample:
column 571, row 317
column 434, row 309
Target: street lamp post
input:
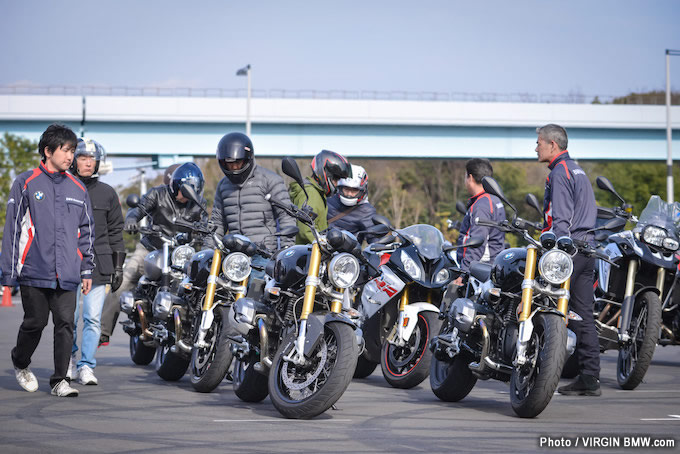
column 669, row 129
column 245, row 71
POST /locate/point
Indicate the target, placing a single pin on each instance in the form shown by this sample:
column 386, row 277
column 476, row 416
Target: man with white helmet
column 349, row 209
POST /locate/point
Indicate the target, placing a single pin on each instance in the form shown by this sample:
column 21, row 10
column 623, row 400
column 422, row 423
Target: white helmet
column 358, row 181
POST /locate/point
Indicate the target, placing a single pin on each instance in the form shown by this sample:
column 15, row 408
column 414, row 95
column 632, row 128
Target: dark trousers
column 38, row 303
column 581, row 302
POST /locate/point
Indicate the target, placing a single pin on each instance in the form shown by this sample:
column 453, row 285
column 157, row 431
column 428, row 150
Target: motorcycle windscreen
column 379, row 291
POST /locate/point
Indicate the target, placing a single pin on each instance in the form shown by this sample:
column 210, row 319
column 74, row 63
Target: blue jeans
column 92, row 304
column 258, row 260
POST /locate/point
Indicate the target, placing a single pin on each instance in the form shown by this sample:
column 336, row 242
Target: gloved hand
column 118, row 261
column 130, row 226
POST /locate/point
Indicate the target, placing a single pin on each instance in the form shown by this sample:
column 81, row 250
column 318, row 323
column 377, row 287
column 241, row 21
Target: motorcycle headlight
column 556, row 266
column 671, row 244
column 411, row 267
column 442, row 276
column 181, row 255
column 654, row 235
column 236, row 266
column 343, row 271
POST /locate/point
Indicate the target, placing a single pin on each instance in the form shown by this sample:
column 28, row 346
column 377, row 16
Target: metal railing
column 277, row 93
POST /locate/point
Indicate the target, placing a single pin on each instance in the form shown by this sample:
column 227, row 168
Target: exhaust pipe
column 178, row 333
column 481, row 366
column 146, row 334
column 264, row 363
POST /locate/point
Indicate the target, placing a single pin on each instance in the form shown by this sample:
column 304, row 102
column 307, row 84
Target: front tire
column 140, row 353
column 635, row 357
column 249, row 385
column 406, row 367
column 170, row 366
column 452, row 380
column 533, row 384
column 302, row 392
column 209, row 365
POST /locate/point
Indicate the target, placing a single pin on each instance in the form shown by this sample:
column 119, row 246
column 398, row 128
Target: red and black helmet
column 328, row 167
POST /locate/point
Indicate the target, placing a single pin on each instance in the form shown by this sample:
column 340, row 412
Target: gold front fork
column 312, row 282
column 660, row 276
column 403, row 301
column 528, row 283
column 563, row 303
column 212, row 280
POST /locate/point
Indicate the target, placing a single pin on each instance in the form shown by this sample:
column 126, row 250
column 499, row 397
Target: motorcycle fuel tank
column 199, row 267
column 153, row 265
column 291, row 265
column 508, row 269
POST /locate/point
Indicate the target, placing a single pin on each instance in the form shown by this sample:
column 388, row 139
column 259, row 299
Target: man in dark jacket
column 241, row 204
column 569, row 211
column 350, row 209
column 109, row 255
column 165, row 204
column 48, row 248
column 480, row 205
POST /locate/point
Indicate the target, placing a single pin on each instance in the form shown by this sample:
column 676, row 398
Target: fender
column 627, row 308
column 526, row 329
column 316, row 322
column 411, row 316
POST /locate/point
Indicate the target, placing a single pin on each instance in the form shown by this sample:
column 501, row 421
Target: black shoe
column 584, row 385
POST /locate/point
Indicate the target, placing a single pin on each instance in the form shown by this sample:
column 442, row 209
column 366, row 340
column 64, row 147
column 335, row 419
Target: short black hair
column 479, row 168
column 56, row 135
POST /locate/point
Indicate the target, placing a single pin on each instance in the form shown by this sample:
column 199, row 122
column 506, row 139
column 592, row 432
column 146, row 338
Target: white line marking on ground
column 672, row 418
column 649, row 391
column 279, row 420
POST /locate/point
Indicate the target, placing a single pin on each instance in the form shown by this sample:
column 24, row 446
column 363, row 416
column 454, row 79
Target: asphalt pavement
column 134, row 410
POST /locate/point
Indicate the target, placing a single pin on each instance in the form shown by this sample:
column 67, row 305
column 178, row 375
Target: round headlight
column 654, row 235
column 236, row 266
column 671, row 244
column 556, row 266
column 442, row 276
column 343, row 271
column 411, row 267
column 181, row 255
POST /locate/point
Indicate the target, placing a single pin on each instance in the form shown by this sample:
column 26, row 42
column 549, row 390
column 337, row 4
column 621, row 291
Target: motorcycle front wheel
column 210, row 364
column 407, row 366
column 305, row 391
column 533, row 384
column 636, row 355
column 249, row 384
column 170, row 366
column 140, row 353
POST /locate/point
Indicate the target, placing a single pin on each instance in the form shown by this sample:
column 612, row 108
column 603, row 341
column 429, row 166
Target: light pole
column 245, row 71
column 669, row 129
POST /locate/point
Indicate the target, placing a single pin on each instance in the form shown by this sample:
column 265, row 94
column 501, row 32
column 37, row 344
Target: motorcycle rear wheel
column 170, row 366
column 209, row 365
column 452, row 380
column 249, row 385
column 365, row 367
column 140, row 353
column 302, row 392
column 533, row 384
column 406, row 367
column 635, row 357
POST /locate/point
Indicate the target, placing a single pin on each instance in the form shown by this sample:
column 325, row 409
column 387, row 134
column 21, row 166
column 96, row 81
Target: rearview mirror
column 606, row 185
column 460, row 207
column 132, row 200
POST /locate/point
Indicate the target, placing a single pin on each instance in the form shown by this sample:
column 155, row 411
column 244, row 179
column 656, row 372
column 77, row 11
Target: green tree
column 17, row 154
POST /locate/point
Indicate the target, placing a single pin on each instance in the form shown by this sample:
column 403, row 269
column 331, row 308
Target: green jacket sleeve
column 317, row 201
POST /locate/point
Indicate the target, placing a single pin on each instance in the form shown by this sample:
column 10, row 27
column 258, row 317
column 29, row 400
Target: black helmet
column 88, row 147
column 234, row 147
column 327, row 166
column 188, row 173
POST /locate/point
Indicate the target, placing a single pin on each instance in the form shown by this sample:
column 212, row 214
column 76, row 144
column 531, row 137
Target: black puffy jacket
column 165, row 211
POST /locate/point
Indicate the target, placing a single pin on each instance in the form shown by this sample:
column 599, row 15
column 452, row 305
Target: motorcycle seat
column 480, row 271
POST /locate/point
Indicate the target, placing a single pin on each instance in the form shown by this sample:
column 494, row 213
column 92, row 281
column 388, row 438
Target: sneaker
column 584, row 385
column 26, row 379
column 86, row 376
column 63, row 389
column 103, row 341
column 71, row 368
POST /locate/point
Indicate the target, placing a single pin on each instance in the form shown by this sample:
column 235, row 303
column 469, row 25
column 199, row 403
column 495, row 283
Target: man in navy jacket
column 48, row 248
column 569, row 211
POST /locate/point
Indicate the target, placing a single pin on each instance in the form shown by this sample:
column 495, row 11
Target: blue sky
column 601, row 47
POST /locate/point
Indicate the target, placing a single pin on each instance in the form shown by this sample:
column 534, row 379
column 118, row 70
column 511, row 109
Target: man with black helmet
column 327, row 168
column 109, row 256
column 241, row 204
column 165, row 204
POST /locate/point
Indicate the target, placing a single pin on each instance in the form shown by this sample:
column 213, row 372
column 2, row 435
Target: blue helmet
column 188, row 173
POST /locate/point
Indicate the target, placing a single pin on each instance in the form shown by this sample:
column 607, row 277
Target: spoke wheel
column 210, row 364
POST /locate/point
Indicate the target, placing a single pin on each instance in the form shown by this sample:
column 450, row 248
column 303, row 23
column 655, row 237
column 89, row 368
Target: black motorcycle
column 628, row 308
column 296, row 344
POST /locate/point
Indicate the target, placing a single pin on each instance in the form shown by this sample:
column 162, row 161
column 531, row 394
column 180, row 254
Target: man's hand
column 87, row 286
column 117, row 279
column 458, row 281
column 130, row 226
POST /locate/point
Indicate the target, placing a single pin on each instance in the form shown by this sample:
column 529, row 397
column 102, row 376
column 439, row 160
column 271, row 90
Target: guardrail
column 544, row 98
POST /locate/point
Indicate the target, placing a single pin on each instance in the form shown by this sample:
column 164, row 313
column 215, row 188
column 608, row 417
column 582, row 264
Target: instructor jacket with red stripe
column 49, row 229
column 487, row 207
column 569, row 208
